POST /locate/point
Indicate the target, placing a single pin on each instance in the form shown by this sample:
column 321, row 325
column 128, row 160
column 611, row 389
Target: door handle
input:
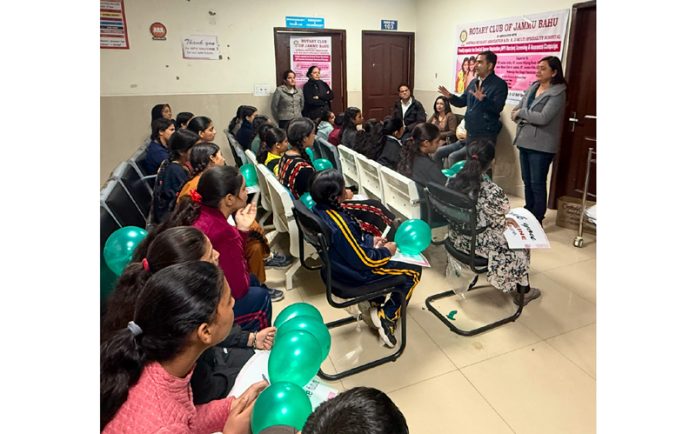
column 590, row 117
column 573, row 121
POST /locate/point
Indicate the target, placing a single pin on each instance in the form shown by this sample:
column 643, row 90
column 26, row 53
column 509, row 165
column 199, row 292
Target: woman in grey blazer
column 539, row 117
column 287, row 101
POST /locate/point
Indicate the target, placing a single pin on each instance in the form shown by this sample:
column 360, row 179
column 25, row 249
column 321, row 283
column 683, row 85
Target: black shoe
column 529, row 296
column 275, row 294
column 277, row 260
column 385, row 326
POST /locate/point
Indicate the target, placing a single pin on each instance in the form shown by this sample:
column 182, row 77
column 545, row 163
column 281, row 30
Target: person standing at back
column 287, row 101
column 317, row 95
column 408, row 109
column 539, row 119
column 484, row 99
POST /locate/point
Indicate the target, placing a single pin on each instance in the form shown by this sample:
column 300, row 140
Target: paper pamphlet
column 256, row 368
column 359, row 197
column 418, row 259
column 524, row 231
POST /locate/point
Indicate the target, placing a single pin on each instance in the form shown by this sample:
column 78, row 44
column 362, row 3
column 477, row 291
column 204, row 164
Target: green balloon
column 297, row 309
column 413, row 236
column 295, row 358
column 311, row 325
column 448, row 173
column 307, row 200
column 310, row 152
column 456, row 167
column 280, row 404
column 119, row 247
column 322, row 164
column 249, row 173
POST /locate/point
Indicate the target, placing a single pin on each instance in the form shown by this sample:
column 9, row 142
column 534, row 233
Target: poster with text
column 201, row 47
column 112, row 24
column 519, row 42
column 306, row 51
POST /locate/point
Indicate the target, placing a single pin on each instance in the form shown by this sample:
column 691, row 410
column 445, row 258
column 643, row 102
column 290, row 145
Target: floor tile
column 580, row 346
column 447, row 404
column 422, row 359
column 558, row 310
column 537, row 391
column 580, row 278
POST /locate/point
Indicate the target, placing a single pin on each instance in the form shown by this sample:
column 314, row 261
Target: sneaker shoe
column 364, row 308
column 275, row 294
column 277, row 260
column 385, row 326
column 529, row 296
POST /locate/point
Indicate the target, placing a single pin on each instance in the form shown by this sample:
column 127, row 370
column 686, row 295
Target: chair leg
column 368, row 365
column 472, row 332
column 291, row 273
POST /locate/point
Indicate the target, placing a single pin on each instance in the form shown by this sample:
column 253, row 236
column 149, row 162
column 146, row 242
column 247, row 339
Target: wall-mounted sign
column 201, row 47
column 306, row 51
column 304, row 22
column 390, row 24
column 158, row 31
column 112, row 24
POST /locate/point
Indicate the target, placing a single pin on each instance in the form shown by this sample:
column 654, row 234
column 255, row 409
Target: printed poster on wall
column 112, row 24
column 519, row 42
column 201, row 47
column 306, row 51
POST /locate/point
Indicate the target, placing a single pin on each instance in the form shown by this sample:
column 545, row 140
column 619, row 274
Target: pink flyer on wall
column 306, row 51
column 112, row 24
column 519, row 42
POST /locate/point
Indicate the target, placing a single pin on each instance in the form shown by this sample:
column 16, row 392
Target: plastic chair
column 400, row 194
column 250, row 156
column 330, row 152
column 370, row 181
column 318, row 235
column 265, row 200
column 284, row 221
column 347, row 157
column 461, row 212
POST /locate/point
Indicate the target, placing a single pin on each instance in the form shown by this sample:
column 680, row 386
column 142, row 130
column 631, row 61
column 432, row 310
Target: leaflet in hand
column 524, row 231
column 418, row 259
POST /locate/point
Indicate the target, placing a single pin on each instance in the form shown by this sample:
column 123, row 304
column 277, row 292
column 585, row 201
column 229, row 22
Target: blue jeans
column 535, row 168
column 446, row 151
column 253, row 312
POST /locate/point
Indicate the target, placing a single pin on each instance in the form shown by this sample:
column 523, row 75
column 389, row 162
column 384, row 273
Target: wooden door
column 281, row 36
column 387, row 61
column 580, row 127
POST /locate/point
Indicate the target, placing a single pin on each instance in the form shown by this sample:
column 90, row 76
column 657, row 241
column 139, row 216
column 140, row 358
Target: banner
column 306, row 51
column 112, row 24
column 201, row 47
column 519, row 43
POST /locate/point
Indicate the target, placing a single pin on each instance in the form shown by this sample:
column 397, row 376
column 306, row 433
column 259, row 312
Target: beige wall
column 134, row 80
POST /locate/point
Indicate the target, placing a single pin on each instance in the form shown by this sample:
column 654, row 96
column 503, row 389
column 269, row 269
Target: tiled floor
column 536, row 375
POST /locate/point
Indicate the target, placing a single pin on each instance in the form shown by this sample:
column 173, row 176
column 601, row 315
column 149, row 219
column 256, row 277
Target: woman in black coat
column 317, row 94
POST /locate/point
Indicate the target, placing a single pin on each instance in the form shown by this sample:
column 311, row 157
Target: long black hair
column 199, row 124
column 421, row 132
column 172, row 305
column 242, row 112
column 479, row 154
column 298, row 130
column 349, row 120
column 326, row 187
column 172, row 246
column 156, row 112
column 445, row 101
column 556, row 66
column 183, row 118
column 370, row 140
column 200, row 157
column 269, row 138
column 391, row 125
column 157, row 126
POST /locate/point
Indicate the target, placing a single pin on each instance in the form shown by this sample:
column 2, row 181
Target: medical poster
column 112, row 24
column 519, row 42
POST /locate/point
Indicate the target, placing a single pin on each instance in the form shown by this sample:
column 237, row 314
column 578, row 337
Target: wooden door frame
column 411, row 55
column 321, row 32
column 568, row 68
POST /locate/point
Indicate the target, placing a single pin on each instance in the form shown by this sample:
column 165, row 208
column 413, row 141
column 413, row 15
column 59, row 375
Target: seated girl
column 158, row 149
column 221, row 193
column 415, row 156
column 444, row 119
column 218, row 367
column 203, row 126
column 261, row 124
column 393, row 129
column 358, row 257
column 275, row 143
column 335, row 134
column 172, row 175
column 508, row 269
column 146, row 366
column 370, row 140
column 326, row 124
column 295, row 172
column 352, row 118
column 202, row 156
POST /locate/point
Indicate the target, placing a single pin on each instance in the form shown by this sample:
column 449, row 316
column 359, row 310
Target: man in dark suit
column 408, row 109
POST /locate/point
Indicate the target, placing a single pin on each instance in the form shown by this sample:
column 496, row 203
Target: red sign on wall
column 158, row 31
